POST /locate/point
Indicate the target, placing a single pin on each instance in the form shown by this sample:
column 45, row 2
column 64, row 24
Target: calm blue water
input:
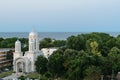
column 53, row 35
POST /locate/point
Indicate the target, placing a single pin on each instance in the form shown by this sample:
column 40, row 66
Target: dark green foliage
column 85, row 57
column 9, row 55
column 7, row 43
column 1, row 39
column 10, row 42
column 48, row 42
column 79, row 42
column 22, row 78
column 55, row 64
column 59, row 43
column 41, row 64
column 92, row 73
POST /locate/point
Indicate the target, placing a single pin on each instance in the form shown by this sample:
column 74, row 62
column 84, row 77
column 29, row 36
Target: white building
column 48, row 51
column 26, row 62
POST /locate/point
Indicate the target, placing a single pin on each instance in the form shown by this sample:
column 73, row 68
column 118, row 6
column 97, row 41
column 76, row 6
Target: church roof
column 32, row 33
column 17, row 41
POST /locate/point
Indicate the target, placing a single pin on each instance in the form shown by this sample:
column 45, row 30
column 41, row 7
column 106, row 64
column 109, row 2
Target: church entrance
column 21, row 67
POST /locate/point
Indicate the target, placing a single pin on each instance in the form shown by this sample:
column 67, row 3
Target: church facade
column 26, row 63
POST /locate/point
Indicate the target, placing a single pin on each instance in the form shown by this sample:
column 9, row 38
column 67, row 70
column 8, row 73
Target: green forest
column 81, row 57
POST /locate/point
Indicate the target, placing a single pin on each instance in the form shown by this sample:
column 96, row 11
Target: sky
column 60, row 15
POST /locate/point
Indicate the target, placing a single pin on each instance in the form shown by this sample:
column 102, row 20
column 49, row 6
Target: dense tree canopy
column 81, row 57
column 41, row 64
column 10, row 42
column 85, row 57
column 48, row 42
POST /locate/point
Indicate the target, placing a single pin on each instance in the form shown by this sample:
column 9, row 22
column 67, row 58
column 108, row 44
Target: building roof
column 5, row 49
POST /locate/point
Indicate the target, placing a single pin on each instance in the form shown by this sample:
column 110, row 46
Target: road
column 12, row 77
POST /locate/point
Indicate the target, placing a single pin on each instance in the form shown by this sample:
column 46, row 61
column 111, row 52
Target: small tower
column 33, row 41
column 18, row 46
column 17, row 52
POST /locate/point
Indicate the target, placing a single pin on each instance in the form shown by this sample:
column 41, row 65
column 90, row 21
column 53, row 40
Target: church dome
column 32, row 34
column 17, row 42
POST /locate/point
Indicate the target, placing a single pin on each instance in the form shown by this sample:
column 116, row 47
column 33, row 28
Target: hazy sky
column 60, row 15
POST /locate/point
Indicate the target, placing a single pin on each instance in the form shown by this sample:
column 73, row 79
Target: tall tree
column 92, row 73
column 76, row 42
column 55, row 64
column 41, row 63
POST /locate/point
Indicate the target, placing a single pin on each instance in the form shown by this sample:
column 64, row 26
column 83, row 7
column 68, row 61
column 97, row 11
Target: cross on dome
column 33, row 33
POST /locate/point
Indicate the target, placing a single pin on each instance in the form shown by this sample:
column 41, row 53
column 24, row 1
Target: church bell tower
column 17, row 52
column 33, row 42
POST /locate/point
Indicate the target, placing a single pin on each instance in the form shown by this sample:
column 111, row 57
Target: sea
column 52, row 35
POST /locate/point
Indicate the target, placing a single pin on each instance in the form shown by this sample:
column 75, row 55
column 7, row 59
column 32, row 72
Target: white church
column 26, row 63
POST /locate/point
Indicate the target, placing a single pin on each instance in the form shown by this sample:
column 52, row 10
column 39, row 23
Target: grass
column 33, row 75
column 4, row 74
column 36, row 76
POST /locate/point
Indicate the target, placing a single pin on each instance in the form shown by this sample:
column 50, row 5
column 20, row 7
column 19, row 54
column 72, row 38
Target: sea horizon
column 52, row 35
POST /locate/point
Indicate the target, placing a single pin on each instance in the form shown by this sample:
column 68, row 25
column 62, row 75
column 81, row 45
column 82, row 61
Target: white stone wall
column 17, row 55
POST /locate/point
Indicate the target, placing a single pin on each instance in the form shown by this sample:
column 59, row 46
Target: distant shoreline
column 53, row 35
